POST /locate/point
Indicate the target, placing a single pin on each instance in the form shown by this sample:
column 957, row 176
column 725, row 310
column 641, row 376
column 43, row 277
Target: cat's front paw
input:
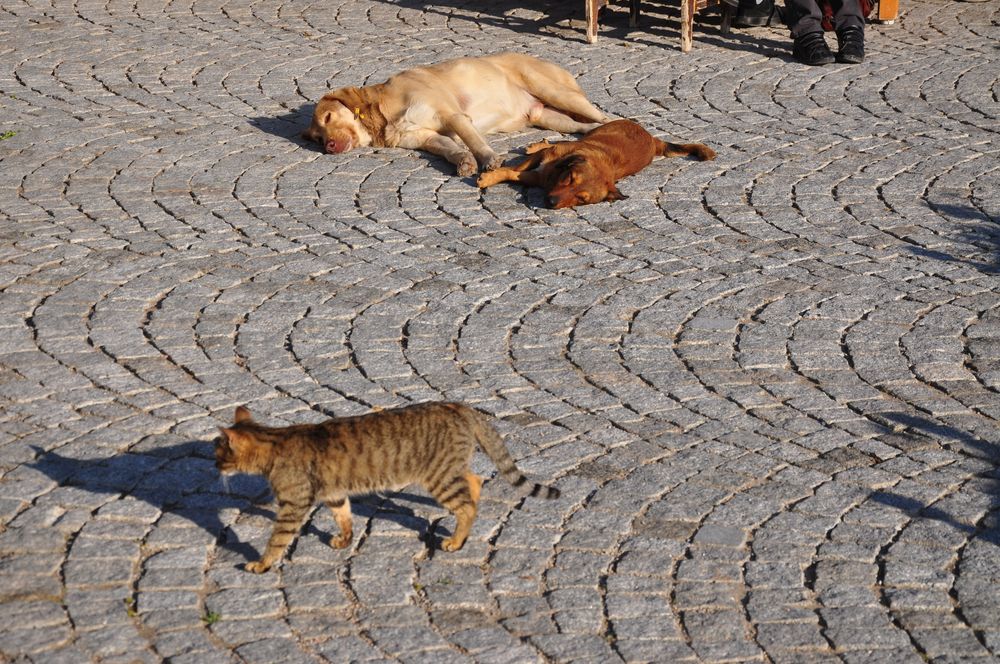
column 451, row 544
column 341, row 541
column 257, row 567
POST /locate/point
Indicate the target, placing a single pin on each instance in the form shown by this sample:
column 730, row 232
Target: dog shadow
column 289, row 125
column 181, row 480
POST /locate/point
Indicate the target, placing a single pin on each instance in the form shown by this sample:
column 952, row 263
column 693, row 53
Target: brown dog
column 447, row 108
column 585, row 171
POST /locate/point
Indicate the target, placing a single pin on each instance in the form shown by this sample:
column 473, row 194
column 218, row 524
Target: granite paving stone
column 768, row 386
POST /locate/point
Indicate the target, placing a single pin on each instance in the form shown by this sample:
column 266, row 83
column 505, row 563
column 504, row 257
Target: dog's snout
column 338, row 141
column 560, row 201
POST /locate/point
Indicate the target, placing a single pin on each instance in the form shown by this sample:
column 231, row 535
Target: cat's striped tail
column 492, row 444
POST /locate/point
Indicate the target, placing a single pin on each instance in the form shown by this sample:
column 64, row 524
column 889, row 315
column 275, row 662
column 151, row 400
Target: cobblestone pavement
column 767, row 386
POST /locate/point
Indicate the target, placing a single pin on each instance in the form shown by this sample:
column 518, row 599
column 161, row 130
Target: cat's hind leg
column 457, row 497
column 341, row 508
column 475, row 486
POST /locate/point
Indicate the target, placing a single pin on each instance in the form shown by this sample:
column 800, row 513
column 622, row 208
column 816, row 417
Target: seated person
column 805, row 18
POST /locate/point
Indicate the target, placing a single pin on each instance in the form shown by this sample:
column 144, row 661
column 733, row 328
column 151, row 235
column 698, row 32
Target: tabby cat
column 428, row 443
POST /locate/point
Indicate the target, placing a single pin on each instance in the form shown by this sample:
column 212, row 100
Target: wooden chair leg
column 592, row 7
column 687, row 24
column 888, row 10
column 728, row 11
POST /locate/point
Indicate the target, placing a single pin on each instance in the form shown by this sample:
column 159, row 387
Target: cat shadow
column 388, row 506
column 178, row 479
column 181, row 480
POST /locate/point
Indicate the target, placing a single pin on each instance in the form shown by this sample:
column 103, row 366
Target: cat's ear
column 234, row 439
column 242, row 415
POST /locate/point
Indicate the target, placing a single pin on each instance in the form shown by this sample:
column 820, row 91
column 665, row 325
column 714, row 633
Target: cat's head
column 240, row 449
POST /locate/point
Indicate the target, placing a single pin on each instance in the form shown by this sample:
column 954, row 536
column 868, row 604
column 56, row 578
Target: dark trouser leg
column 847, row 14
column 806, row 21
column 803, row 17
column 850, row 25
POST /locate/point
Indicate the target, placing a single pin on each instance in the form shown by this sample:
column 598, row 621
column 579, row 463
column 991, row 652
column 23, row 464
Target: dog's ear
column 569, row 161
column 614, row 194
column 564, row 167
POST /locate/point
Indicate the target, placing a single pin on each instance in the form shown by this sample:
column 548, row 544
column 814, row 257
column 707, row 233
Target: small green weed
column 7, row 134
column 210, row 618
column 130, row 607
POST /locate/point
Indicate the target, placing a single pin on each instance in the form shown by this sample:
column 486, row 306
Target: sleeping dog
column 447, row 108
column 585, row 171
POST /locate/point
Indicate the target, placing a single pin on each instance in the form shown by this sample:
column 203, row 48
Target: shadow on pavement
column 291, row 125
column 976, row 228
column 657, row 19
column 988, row 528
column 288, row 125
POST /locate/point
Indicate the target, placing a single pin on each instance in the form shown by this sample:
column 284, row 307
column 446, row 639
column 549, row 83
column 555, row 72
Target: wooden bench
column 688, row 9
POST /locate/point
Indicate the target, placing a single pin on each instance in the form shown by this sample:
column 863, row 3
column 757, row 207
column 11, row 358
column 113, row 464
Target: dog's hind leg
column 556, row 88
column 549, row 118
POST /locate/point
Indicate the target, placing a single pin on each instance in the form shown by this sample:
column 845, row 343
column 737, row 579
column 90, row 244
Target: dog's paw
column 492, row 163
column 538, row 147
column 467, row 166
column 487, row 179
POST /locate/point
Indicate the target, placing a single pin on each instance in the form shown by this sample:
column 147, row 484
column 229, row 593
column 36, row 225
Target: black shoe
column 852, row 45
column 811, row 49
column 753, row 13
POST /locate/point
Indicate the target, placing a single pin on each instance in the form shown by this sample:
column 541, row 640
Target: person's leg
column 803, row 17
column 805, row 20
column 752, row 13
column 850, row 25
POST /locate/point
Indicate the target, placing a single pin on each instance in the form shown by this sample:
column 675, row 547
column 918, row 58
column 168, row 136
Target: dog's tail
column 699, row 151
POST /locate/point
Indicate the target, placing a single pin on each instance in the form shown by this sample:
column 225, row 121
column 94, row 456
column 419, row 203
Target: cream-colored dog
column 447, row 108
